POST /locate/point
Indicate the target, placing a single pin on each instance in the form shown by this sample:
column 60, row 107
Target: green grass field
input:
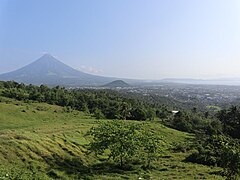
column 41, row 141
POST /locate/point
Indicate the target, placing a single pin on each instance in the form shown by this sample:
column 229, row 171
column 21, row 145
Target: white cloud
column 89, row 69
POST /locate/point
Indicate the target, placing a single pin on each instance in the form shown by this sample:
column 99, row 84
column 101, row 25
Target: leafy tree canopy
column 125, row 141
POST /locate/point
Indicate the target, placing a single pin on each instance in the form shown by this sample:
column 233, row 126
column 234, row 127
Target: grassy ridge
column 44, row 141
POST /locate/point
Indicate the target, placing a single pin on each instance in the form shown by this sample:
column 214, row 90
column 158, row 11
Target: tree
column 162, row 114
column 112, row 112
column 151, row 146
column 231, row 158
column 122, row 139
column 181, row 121
column 124, row 110
column 231, row 121
column 125, row 141
column 85, row 108
column 138, row 114
column 98, row 114
column 150, row 114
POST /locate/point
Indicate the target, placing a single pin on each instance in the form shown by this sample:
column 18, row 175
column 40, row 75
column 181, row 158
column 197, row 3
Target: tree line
column 102, row 103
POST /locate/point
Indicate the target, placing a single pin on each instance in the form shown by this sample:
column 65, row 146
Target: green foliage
column 208, row 151
column 98, row 114
column 231, row 121
column 112, row 105
column 219, row 150
column 125, row 141
column 138, row 114
column 150, row 114
column 67, row 109
column 163, row 113
column 121, row 139
column 183, row 147
column 231, row 158
column 212, row 127
column 194, row 123
column 151, row 145
column 181, row 121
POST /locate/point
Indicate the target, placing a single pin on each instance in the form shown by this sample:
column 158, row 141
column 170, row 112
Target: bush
column 182, row 147
column 219, row 150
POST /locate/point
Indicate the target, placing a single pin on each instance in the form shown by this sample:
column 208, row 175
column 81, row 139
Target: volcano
column 50, row 71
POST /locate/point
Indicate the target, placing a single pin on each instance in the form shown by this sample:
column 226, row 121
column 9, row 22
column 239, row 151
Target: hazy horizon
column 128, row 39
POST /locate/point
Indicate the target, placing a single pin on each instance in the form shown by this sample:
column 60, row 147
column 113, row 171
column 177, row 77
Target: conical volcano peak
column 49, row 63
column 47, row 56
column 49, row 70
column 47, row 60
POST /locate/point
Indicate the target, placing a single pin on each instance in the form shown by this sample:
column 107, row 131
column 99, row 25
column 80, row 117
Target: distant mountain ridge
column 50, row 71
column 218, row 81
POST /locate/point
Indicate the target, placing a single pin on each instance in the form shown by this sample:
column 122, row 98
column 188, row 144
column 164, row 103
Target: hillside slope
column 41, row 141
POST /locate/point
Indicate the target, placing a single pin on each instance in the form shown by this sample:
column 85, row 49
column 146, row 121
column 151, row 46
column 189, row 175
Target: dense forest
column 216, row 136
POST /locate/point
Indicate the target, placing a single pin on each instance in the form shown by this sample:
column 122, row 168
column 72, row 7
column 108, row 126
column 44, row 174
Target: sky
column 140, row 39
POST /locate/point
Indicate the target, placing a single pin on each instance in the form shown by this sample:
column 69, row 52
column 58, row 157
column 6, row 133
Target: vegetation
column 194, row 123
column 221, row 148
column 230, row 120
column 125, row 141
column 53, row 133
column 105, row 103
column 42, row 141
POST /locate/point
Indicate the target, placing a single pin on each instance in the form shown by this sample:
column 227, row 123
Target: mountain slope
column 48, row 70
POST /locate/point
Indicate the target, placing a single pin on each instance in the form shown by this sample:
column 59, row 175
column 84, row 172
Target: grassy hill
column 41, row 141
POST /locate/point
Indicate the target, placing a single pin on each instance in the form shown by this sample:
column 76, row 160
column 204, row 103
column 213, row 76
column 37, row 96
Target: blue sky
column 146, row 39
